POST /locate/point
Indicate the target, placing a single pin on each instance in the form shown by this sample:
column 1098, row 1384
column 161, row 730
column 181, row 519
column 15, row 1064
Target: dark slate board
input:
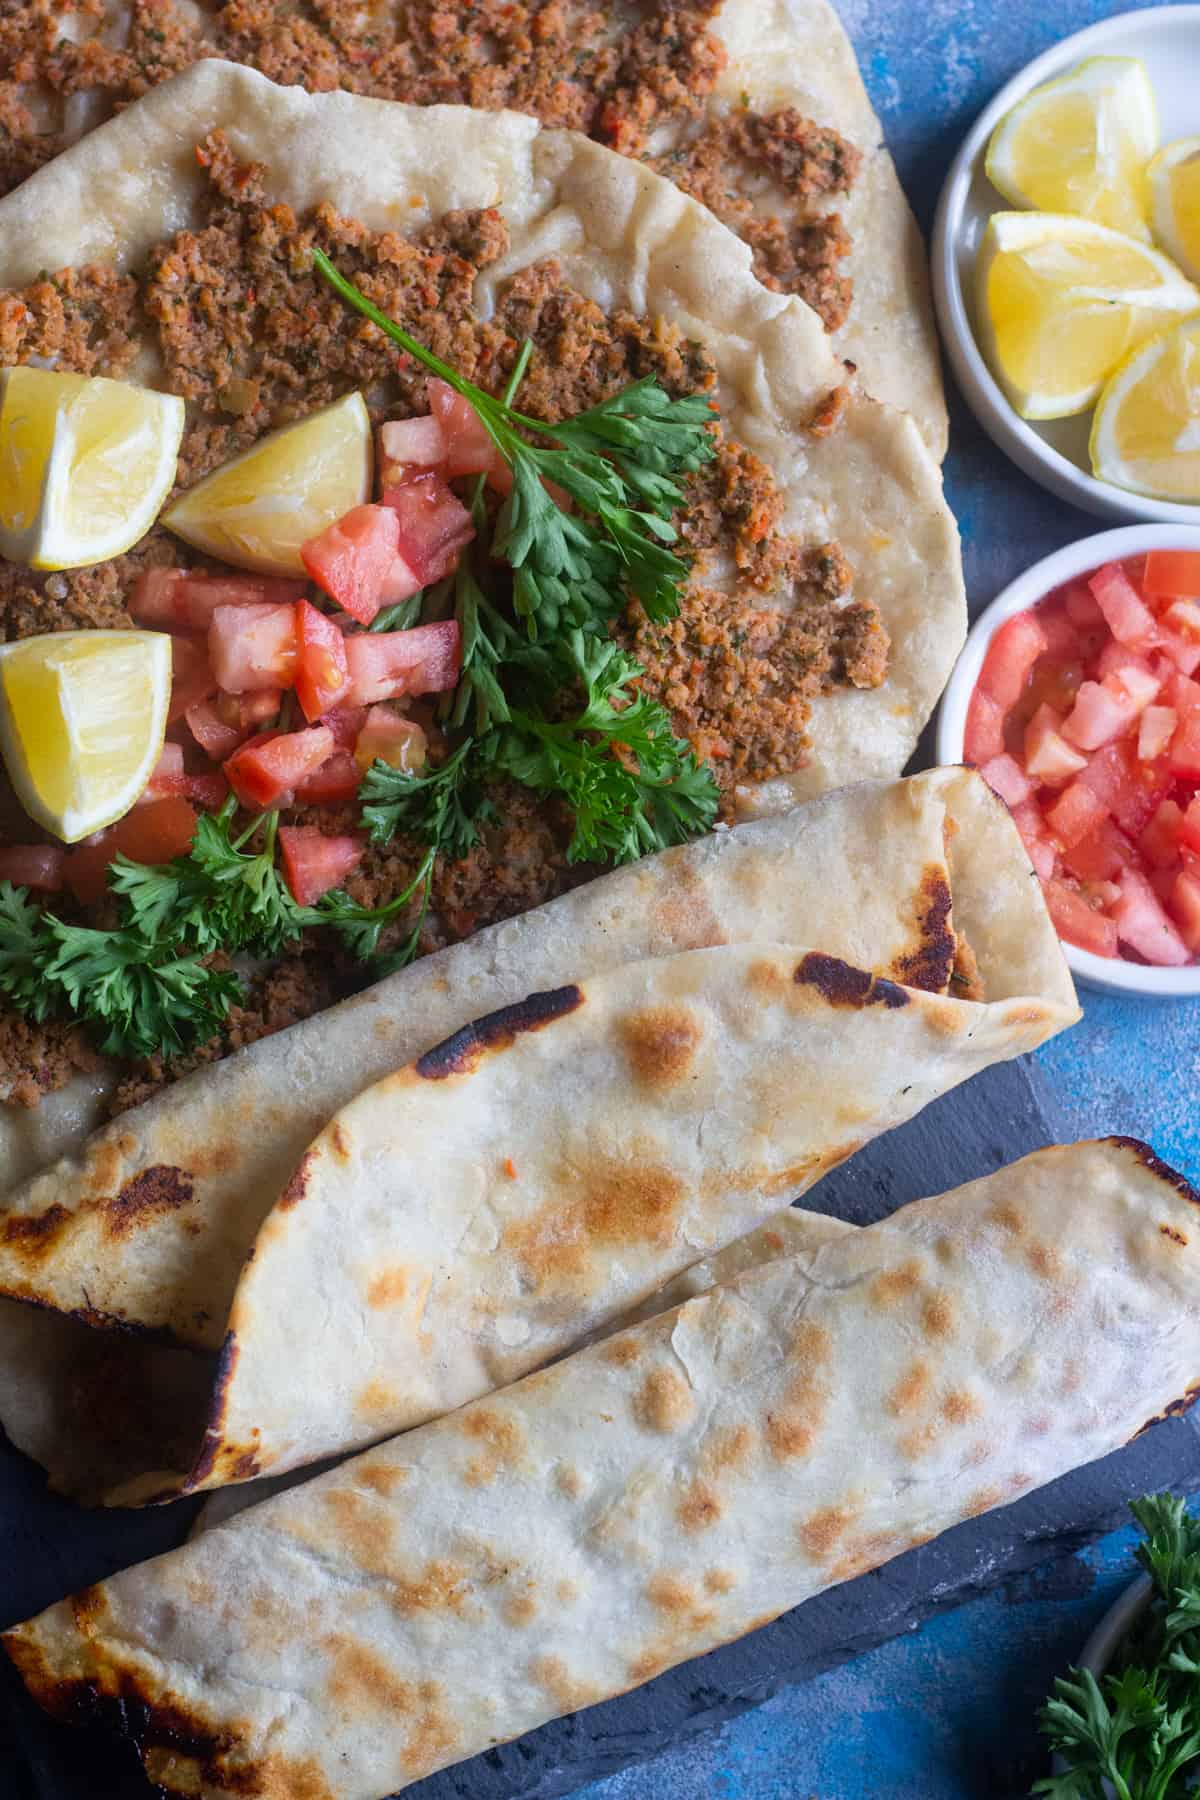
column 49, row 1547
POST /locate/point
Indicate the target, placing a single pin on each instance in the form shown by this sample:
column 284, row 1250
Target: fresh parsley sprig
column 618, row 463
column 1139, row 1728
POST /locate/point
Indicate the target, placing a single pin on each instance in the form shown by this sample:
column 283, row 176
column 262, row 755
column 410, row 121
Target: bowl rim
column 986, row 398
column 1033, row 584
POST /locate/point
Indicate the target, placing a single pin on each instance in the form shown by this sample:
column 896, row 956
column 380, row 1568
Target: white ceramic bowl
column 1114, row 976
column 1053, row 451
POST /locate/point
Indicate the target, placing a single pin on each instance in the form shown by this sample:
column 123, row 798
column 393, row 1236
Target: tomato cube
column 386, row 665
column 1079, row 923
column 1077, row 811
column 1183, row 757
column 406, row 445
column 314, row 863
column 37, row 866
column 1143, row 925
column 1081, row 606
column 1101, row 855
column 1048, row 756
column 1005, row 776
column 1184, row 904
column 1125, row 612
column 322, row 673
column 154, row 833
column 1170, row 574
column 263, row 771
column 389, row 737
column 166, row 777
column 345, row 724
column 336, row 781
column 253, row 647
column 1156, row 728
column 357, row 562
column 192, row 678
column 209, row 791
column 1010, row 658
column 1189, row 825
column 1103, row 712
column 983, row 737
column 468, row 448
column 1159, row 842
column 434, row 526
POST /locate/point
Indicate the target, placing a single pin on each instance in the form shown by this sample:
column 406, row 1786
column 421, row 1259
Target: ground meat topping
column 619, row 75
column 252, row 339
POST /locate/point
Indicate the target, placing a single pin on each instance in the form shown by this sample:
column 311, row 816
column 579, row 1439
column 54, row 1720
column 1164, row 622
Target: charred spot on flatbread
column 147, row 1195
column 466, row 1049
column 841, row 984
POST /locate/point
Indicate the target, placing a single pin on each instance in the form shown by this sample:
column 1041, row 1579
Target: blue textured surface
column 947, row 1714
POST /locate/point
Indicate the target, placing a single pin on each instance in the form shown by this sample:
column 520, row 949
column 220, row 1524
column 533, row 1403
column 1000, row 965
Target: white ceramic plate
column 1111, row 974
column 1054, row 451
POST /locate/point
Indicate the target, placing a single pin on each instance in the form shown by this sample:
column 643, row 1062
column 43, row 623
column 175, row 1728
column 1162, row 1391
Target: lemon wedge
column 1146, row 432
column 1062, row 302
column 82, row 717
column 257, row 510
column 85, row 464
column 1174, row 178
column 1080, row 145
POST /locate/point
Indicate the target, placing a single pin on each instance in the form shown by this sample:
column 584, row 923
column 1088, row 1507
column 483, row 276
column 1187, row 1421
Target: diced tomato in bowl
column 1085, row 720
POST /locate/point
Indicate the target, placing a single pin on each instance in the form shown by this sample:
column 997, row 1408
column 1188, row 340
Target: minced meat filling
column 619, row 78
column 253, row 338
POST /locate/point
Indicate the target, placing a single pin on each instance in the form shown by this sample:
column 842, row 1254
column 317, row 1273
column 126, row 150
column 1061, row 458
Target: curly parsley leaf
column 145, row 997
column 443, row 808
column 1136, row 1733
column 617, row 462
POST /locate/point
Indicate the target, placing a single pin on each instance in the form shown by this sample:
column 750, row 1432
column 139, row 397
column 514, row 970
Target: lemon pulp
column 256, row 511
column 82, row 718
column 1146, row 433
column 85, row 465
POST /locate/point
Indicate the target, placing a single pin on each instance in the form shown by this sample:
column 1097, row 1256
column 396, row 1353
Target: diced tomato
column 1159, row 842
column 434, row 526
column 386, row 665
column 166, row 777
column 1059, row 629
column 1172, row 574
column 406, row 445
column 322, row 673
column 1005, row 776
column 314, row 863
column 983, row 737
column 1184, row 903
column 256, row 707
column 209, row 791
column 1115, row 658
column 1102, row 713
column 155, row 833
column 1010, row 657
column 253, row 647
column 1182, row 694
column 336, row 781
column 355, row 561
column 1156, row 728
column 1181, row 652
column 1082, row 607
column 268, row 767
column 1125, row 612
column 37, row 866
column 1077, row 811
column 468, row 448
column 216, row 735
column 1048, row 756
column 1079, row 923
column 1142, row 923
column 1189, row 825
column 1183, row 618
column 389, row 737
column 177, row 600
column 1183, row 757
column 1101, row 855
column 192, row 678
column 1131, row 789
column 345, row 724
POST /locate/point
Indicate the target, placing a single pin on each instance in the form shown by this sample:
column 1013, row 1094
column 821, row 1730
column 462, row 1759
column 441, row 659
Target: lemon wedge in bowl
column 1062, row 302
column 1146, row 432
column 82, row 718
column 85, row 465
column 1174, row 178
column 1081, row 144
column 256, row 511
